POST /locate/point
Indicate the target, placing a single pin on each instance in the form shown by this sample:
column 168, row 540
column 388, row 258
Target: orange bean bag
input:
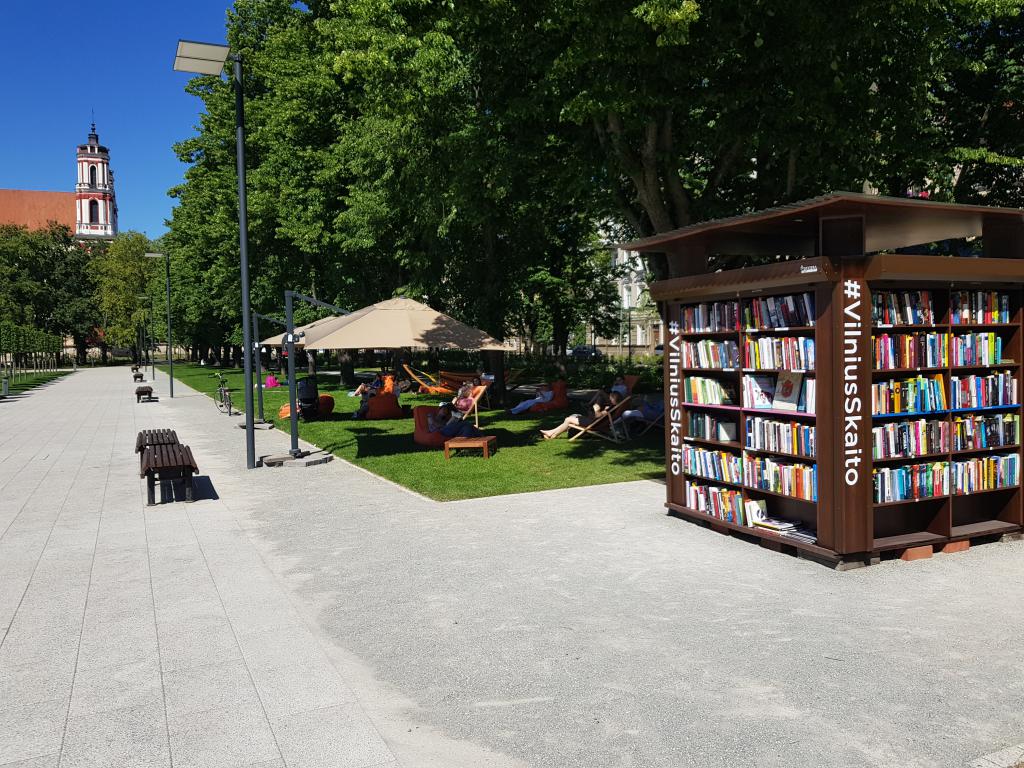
column 326, row 405
column 560, row 389
column 384, row 405
column 421, row 434
column 284, row 412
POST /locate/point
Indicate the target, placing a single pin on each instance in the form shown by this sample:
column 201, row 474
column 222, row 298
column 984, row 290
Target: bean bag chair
column 560, row 389
column 384, row 405
column 326, row 405
column 284, row 412
column 421, row 434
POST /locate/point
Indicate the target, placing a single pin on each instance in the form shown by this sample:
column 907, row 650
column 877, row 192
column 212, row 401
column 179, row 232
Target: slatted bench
column 148, row 437
column 138, row 377
column 167, row 463
column 143, row 392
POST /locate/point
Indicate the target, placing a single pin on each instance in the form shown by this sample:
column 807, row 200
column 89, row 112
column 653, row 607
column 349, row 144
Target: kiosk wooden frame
column 841, row 248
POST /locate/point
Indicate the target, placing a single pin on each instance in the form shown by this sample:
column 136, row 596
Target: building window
column 92, row 175
column 94, row 212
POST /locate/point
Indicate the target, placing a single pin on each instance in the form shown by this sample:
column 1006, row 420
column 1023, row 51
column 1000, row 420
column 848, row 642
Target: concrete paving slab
column 211, row 686
column 336, row 737
column 227, row 736
column 129, row 686
column 134, row 736
column 31, row 730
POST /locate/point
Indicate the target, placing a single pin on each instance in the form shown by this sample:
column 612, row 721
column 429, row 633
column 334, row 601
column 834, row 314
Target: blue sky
column 60, row 59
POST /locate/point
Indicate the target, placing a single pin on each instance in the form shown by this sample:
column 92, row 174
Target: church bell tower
column 96, row 206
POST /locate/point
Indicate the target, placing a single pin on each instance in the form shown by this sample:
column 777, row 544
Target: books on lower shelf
column 710, row 427
column 757, row 517
column 986, row 473
column 910, row 350
column 774, row 353
column 701, row 390
column 977, row 349
column 983, row 391
column 910, row 482
column 713, row 465
column 978, row 307
column 769, row 312
column 988, row 431
column 710, row 317
column 907, row 439
column 710, row 353
column 787, row 478
column 902, row 308
column 919, row 394
column 766, row 434
column 723, row 503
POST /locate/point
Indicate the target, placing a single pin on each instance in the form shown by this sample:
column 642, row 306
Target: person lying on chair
column 449, row 424
column 583, row 419
column 544, row 395
column 646, row 412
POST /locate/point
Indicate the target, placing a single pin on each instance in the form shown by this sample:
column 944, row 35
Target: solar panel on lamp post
column 170, row 336
column 210, row 59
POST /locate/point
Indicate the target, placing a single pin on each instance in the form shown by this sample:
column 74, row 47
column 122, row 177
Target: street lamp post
column 209, row 59
column 170, row 336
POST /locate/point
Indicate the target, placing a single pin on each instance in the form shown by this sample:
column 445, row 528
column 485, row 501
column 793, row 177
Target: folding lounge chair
column 428, row 386
column 478, row 391
column 604, row 425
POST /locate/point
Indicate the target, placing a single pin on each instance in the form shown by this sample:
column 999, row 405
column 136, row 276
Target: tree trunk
column 346, row 367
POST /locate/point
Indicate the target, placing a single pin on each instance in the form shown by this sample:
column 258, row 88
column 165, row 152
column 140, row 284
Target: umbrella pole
column 292, row 406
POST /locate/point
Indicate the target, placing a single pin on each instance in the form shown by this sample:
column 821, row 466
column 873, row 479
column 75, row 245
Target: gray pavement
column 324, row 617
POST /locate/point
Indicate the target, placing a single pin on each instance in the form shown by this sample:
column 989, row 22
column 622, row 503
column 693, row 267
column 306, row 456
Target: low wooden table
column 137, row 376
column 484, row 441
column 143, row 392
column 167, row 462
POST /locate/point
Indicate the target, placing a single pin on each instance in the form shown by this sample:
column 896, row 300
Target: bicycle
column 223, row 399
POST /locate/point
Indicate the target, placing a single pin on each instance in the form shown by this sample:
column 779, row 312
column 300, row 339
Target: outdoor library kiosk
column 844, row 399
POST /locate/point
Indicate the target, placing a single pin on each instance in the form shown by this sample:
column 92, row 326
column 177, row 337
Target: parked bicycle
column 223, row 399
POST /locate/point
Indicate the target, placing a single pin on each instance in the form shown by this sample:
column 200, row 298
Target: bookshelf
column 913, row 439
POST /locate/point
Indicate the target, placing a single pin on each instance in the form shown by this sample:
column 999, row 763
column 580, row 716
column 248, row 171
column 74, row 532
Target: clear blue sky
column 60, row 59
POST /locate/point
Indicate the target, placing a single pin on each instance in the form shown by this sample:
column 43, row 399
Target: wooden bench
column 143, row 392
column 138, row 376
column 148, row 437
column 167, row 463
column 484, row 441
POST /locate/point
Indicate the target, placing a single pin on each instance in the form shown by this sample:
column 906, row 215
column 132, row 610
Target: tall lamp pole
column 170, row 336
column 209, row 59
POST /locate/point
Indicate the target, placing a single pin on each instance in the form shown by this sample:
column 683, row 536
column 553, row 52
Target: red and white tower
column 95, row 203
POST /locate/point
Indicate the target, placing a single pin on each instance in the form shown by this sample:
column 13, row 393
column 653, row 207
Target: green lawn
column 25, row 383
column 524, row 461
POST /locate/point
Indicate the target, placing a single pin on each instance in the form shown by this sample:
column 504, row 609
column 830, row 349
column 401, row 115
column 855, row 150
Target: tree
column 123, row 274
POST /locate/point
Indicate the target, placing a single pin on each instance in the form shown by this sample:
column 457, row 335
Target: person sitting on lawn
column 544, row 394
column 450, row 424
column 583, row 419
column 365, row 392
column 646, row 412
column 371, row 386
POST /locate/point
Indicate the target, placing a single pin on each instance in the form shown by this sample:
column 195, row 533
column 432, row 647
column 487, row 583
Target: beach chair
column 428, row 384
column 478, row 391
column 603, row 426
column 631, row 382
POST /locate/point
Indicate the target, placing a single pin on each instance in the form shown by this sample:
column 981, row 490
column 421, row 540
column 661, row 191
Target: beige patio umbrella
column 397, row 323
column 278, row 340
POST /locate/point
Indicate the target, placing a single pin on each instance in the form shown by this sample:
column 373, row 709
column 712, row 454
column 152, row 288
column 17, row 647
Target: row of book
column 910, row 482
column 722, row 503
column 986, row 431
column 978, row 349
column 709, row 353
column 774, row 353
column 728, row 505
column 700, row 390
column 779, row 311
column 978, row 307
column 710, row 317
column 986, row 473
column 910, row 350
column 983, row 391
column 907, row 439
column 786, row 391
column 902, row 308
column 789, row 479
column 914, row 395
column 712, row 465
column 707, row 426
column 780, row 436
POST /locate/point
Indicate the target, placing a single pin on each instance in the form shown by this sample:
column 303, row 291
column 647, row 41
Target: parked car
column 586, row 352
column 660, row 349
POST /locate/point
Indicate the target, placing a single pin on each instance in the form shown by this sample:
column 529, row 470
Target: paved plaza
column 324, row 617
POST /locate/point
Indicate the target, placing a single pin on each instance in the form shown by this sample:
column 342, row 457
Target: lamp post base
column 305, row 459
